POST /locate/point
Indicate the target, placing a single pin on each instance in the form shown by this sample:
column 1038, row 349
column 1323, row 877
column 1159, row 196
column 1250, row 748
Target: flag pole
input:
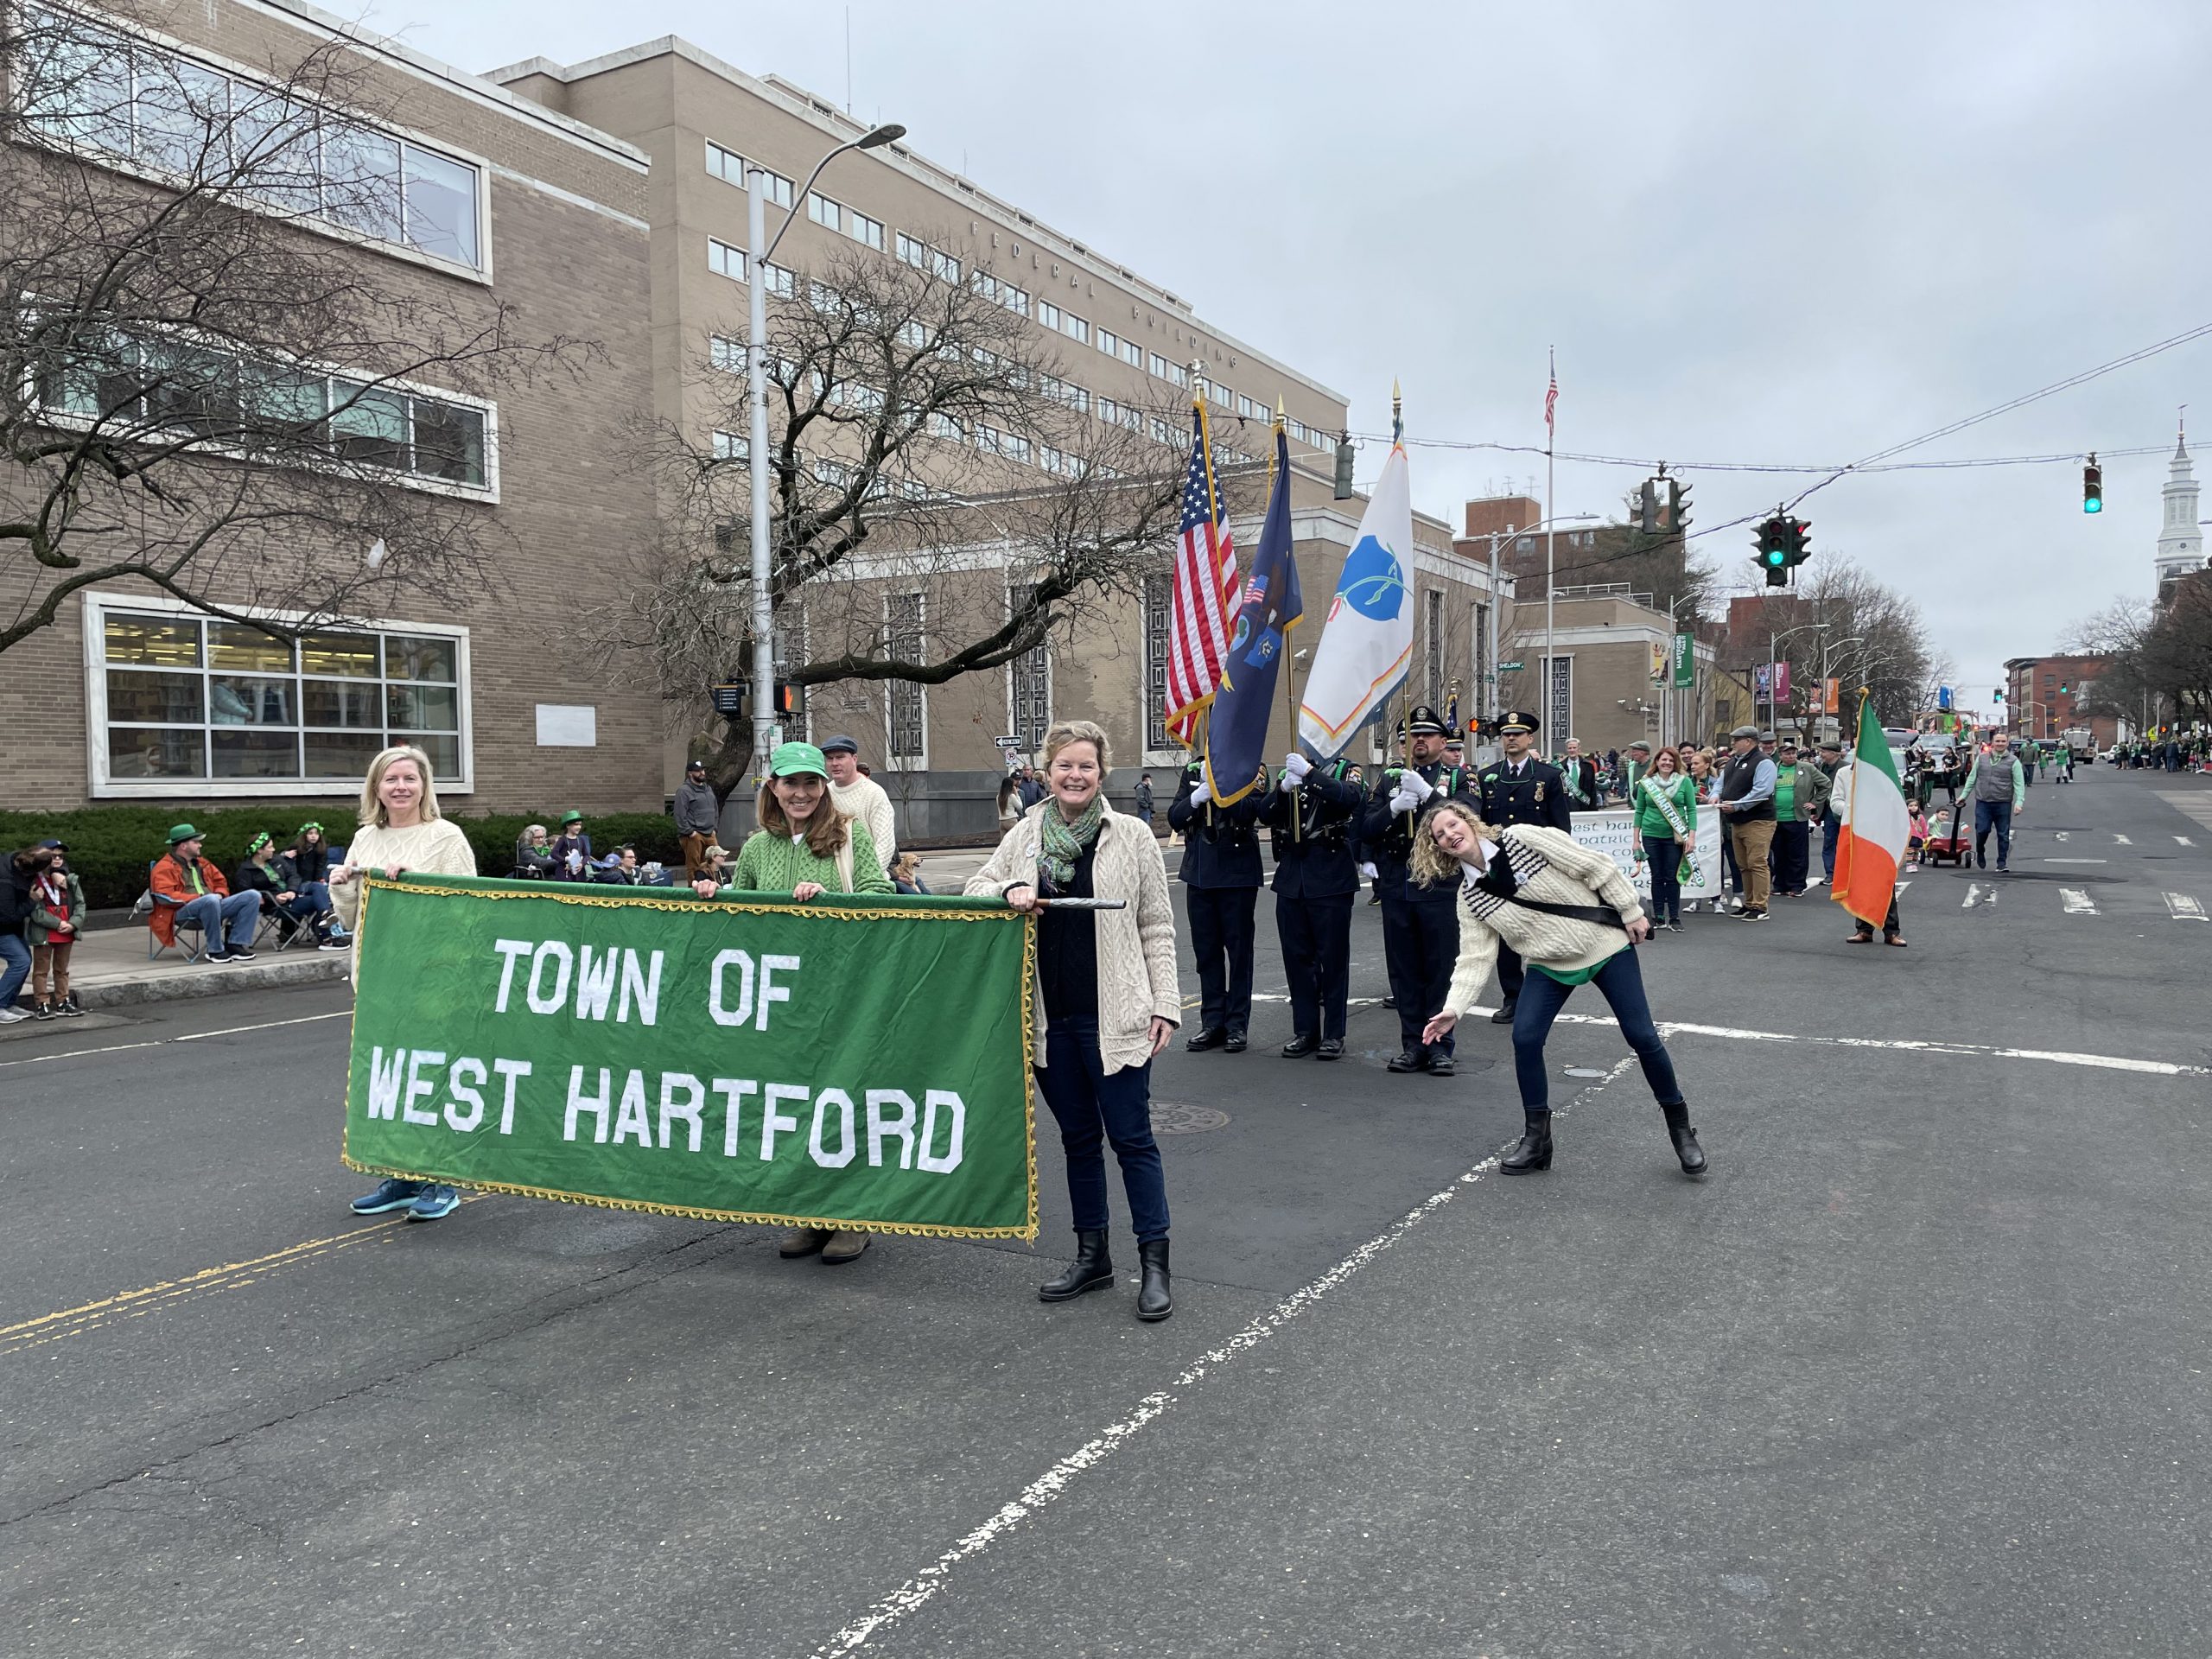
column 1551, row 536
column 1405, row 700
column 1290, row 662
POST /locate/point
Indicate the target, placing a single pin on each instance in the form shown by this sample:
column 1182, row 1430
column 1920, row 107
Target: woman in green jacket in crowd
column 805, row 847
column 1665, row 830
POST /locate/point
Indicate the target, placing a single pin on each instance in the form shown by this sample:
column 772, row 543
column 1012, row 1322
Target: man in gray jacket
column 697, row 813
column 1999, row 790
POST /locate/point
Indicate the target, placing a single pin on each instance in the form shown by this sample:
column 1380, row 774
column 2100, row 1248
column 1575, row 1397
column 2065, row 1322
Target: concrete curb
column 217, row 981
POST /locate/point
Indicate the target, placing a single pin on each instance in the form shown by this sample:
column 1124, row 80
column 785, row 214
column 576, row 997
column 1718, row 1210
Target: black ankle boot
column 1153, row 1300
column 1684, row 1137
column 1090, row 1270
column 1534, row 1151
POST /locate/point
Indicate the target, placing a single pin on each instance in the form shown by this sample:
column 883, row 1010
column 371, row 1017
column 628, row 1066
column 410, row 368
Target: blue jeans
column 1831, row 827
column 15, row 967
column 1665, row 854
column 1621, row 982
column 1996, row 815
column 227, row 922
column 1094, row 1106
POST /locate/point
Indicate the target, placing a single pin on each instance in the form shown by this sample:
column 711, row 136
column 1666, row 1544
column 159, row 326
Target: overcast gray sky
column 1755, row 232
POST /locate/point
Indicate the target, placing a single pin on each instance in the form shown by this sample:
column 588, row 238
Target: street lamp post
column 1495, row 537
column 760, row 248
column 1772, row 640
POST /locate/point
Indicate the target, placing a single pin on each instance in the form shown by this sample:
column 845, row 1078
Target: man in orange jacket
column 187, row 888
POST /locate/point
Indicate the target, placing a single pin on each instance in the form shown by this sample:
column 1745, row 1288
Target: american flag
column 1205, row 587
column 1551, row 400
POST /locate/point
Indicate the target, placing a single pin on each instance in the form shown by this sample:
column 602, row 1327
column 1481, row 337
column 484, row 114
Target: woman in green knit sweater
column 805, row 847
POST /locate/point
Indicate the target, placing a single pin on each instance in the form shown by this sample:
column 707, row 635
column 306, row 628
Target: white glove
column 1404, row 800
column 1199, row 794
column 1369, row 872
column 1422, row 788
column 1295, row 766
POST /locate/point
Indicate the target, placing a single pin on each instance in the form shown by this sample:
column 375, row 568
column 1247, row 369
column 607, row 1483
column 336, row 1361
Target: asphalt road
column 1921, row 1369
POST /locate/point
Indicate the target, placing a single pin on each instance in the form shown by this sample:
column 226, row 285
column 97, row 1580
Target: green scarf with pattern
column 1061, row 845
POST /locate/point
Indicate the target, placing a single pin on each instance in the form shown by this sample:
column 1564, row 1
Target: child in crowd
column 1916, row 840
column 57, row 911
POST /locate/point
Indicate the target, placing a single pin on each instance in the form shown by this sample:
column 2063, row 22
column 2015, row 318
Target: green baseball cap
column 795, row 759
column 182, row 832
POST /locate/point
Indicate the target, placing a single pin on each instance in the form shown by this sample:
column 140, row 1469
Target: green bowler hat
column 182, row 832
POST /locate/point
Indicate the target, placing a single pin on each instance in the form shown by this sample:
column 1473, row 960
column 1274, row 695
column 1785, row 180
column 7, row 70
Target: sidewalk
column 109, row 970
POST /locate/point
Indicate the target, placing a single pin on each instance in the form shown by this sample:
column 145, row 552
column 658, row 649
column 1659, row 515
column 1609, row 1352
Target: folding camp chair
column 191, row 938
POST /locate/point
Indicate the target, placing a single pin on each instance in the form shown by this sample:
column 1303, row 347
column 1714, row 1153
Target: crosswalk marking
column 2120, row 840
column 2078, row 902
column 1976, row 896
column 2060, row 835
column 2184, row 841
column 2077, row 860
column 2184, row 908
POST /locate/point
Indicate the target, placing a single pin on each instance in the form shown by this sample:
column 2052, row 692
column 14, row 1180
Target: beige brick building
column 133, row 697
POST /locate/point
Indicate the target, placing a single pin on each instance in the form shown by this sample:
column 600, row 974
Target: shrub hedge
column 110, row 847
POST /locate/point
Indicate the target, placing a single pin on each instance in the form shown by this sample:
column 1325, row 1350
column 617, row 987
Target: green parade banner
column 855, row 1063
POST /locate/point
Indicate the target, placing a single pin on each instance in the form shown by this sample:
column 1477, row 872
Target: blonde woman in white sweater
column 401, row 831
column 1106, row 998
column 1573, row 919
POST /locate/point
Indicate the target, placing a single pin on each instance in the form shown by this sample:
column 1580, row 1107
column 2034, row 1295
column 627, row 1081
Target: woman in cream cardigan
column 1573, row 919
column 401, row 830
column 1106, row 998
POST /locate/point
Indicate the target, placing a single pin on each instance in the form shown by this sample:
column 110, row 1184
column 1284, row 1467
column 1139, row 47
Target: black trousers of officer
column 1316, row 960
column 1421, row 944
column 1221, row 935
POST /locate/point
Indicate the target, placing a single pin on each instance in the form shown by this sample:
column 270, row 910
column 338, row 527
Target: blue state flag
column 1237, row 729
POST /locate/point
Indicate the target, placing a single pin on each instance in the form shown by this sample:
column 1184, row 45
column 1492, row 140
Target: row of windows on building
column 175, row 118
column 243, row 405
column 187, row 696
column 726, row 260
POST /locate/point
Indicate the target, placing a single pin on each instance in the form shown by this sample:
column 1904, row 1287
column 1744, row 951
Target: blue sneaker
column 394, row 1194
column 435, row 1201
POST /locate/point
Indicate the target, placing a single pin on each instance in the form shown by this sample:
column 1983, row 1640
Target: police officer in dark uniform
column 1519, row 789
column 1309, row 813
column 1221, row 883
column 1420, row 926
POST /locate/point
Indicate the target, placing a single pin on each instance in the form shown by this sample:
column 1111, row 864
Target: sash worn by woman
column 1573, row 919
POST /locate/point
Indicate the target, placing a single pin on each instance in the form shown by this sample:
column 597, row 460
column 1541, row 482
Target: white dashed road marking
column 2078, row 902
column 2184, row 841
column 2183, row 908
column 2077, row 860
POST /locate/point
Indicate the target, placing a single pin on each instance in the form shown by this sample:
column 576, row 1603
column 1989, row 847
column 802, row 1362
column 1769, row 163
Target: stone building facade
column 134, row 698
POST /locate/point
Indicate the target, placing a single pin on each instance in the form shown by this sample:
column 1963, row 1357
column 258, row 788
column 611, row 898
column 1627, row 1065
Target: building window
column 1075, row 328
column 907, row 715
column 1049, row 315
column 1029, row 679
column 725, row 260
column 1110, row 342
column 144, row 104
column 725, row 354
column 779, row 281
column 828, row 214
column 1015, row 300
column 1156, row 365
column 157, row 387
column 922, row 257
column 866, row 230
column 727, row 164
column 1159, row 605
column 180, row 697
column 732, row 446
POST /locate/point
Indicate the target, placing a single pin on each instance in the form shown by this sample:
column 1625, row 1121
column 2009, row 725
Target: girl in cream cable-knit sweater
column 1573, row 919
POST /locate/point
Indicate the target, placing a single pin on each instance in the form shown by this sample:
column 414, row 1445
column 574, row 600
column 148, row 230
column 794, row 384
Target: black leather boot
column 1684, row 1137
column 1534, row 1150
column 1153, row 1300
column 1090, row 1270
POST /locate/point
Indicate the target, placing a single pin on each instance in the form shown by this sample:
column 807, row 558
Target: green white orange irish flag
column 1871, row 842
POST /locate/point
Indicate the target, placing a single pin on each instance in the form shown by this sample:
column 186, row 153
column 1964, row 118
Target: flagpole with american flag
column 1204, row 587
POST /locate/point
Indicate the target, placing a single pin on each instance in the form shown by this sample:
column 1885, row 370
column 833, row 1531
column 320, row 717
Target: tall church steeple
column 2181, row 549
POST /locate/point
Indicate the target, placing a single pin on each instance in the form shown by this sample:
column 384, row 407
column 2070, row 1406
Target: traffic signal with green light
column 1773, row 544
column 2093, row 486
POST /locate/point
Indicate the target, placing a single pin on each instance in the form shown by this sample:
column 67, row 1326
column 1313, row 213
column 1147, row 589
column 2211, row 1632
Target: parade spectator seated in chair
column 533, row 854
column 190, row 892
column 620, row 868
column 261, row 873
column 307, row 868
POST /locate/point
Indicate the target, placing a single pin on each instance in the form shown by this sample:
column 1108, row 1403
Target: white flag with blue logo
column 1368, row 639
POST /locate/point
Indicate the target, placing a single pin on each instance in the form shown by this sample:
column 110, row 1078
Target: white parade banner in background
column 1613, row 834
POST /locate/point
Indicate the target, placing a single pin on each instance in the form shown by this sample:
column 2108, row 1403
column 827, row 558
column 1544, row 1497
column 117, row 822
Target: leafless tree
column 923, row 446
column 202, row 386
